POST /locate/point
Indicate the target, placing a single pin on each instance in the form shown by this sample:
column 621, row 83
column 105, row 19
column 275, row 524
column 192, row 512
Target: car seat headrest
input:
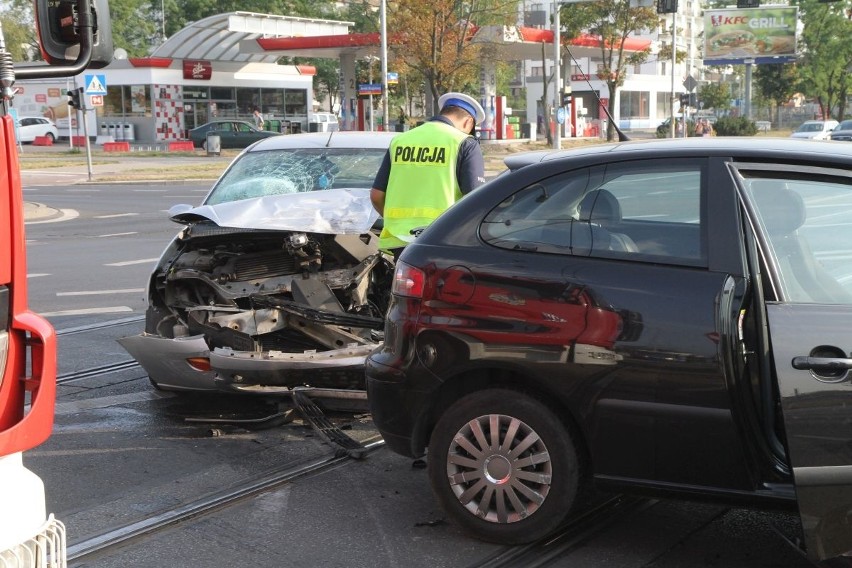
column 600, row 206
column 782, row 209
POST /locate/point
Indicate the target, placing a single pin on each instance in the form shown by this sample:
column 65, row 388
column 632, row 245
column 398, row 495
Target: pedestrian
column 700, row 127
column 708, row 128
column 427, row 169
column 258, row 118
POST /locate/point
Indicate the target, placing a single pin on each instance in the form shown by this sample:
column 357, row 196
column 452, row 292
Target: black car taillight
column 408, row 281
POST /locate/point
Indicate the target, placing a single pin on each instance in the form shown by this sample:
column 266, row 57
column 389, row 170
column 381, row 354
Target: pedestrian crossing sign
column 95, row 84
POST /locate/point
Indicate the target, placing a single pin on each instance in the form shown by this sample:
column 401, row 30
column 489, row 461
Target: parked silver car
column 276, row 280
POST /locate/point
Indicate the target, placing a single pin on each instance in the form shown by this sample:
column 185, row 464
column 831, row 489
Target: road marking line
column 115, row 215
column 129, row 262
column 88, row 311
column 37, row 275
column 99, row 292
column 116, row 235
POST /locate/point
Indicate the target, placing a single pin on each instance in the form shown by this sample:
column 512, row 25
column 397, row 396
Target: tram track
column 100, row 370
column 571, row 535
column 99, row 325
column 129, row 533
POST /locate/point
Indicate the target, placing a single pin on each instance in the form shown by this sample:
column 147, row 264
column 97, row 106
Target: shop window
column 634, row 104
column 113, row 101
column 196, row 93
column 273, row 102
column 136, row 100
column 222, row 93
column 247, row 99
column 295, row 103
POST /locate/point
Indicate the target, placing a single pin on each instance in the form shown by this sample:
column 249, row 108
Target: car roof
column 336, row 139
column 735, row 147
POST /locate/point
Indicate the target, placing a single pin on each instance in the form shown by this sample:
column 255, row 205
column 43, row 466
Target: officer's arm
column 380, row 185
column 377, row 198
column 470, row 170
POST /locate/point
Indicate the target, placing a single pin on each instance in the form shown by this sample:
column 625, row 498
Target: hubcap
column 499, row 468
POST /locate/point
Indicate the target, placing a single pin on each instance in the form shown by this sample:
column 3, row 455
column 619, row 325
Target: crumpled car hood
column 331, row 211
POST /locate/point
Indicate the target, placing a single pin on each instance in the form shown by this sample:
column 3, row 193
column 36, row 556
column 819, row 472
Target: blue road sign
column 560, row 115
column 95, row 84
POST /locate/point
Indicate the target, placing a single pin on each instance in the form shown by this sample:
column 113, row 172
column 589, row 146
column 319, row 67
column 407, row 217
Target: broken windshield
column 277, row 172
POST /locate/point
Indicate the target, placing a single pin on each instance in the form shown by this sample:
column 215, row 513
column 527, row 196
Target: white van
column 323, row 122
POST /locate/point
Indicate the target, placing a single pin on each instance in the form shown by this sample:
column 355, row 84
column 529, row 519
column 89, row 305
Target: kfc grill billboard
column 763, row 35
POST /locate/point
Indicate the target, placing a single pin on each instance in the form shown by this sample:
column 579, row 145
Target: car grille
column 275, row 263
column 846, row 138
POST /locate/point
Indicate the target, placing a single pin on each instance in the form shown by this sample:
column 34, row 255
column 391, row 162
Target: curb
column 38, row 212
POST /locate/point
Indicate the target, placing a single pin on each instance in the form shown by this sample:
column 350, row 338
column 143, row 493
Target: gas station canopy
column 247, row 36
column 516, row 42
column 219, row 37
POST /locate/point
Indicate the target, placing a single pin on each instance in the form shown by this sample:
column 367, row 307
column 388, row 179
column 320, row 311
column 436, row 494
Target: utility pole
column 557, row 78
column 384, row 23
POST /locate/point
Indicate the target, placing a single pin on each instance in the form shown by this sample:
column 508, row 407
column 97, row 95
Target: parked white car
column 815, row 129
column 29, row 127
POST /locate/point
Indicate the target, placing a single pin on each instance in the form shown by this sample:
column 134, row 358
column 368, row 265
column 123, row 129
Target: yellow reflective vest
column 422, row 182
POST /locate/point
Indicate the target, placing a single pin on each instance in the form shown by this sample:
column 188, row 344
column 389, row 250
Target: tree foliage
column 614, row 21
column 824, row 72
column 715, row 95
column 776, row 83
column 436, row 36
column 20, row 38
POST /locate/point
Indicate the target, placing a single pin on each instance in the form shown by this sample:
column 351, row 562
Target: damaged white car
column 276, row 280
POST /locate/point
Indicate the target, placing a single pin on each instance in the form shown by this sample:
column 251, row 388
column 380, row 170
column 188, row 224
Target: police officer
column 427, row 169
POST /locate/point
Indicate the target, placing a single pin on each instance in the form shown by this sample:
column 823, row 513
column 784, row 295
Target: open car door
column 803, row 222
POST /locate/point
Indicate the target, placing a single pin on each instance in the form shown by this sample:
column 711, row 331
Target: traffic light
column 684, row 99
column 566, row 96
column 666, row 6
column 74, row 98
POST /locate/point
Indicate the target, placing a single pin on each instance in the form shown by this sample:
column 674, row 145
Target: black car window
column 646, row 210
column 806, row 220
column 242, row 127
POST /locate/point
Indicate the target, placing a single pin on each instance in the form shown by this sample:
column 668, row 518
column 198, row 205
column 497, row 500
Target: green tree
column 20, row 38
column 437, row 39
column 824, row 70
column 715, row 95
column 777, row 83
column 614, row 21
column 135, row 28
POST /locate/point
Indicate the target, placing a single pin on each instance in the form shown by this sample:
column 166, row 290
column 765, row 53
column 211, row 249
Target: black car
column 843, row 132
column 667, row 317
column 232, row 133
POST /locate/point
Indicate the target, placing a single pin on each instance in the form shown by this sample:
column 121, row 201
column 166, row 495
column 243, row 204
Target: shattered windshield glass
column 277, row 172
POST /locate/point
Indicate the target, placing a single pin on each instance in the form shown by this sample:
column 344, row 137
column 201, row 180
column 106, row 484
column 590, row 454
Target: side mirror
column 61, row 29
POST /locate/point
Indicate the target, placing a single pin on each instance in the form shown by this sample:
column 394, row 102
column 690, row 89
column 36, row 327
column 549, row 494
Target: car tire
column 483, row 486
column 204, row 145
column 51, row 137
